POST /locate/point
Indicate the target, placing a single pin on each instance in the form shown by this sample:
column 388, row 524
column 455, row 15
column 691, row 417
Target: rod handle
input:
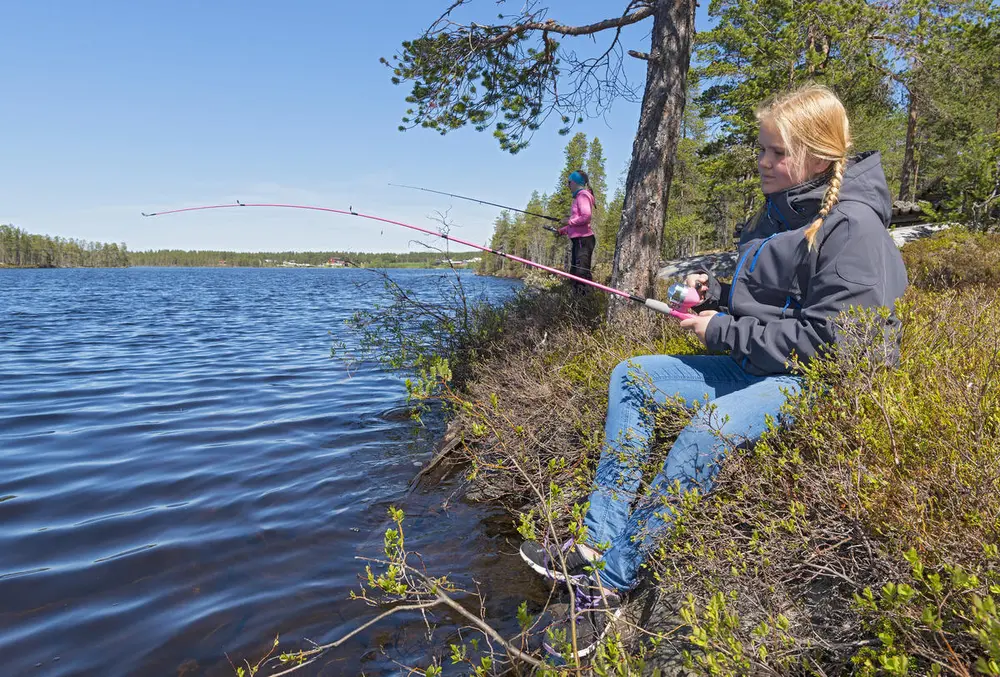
column 661, row 307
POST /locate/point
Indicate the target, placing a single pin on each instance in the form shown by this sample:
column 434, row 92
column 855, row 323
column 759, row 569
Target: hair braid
column 829, row 200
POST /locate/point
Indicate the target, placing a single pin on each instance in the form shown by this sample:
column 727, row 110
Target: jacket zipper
column 736, row 278
column 753, row 264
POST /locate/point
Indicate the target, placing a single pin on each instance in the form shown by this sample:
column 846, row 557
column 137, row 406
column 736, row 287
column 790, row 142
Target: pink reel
column 681, row 299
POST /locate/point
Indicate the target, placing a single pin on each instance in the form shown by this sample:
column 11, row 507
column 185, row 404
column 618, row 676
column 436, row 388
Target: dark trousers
column 583, row 252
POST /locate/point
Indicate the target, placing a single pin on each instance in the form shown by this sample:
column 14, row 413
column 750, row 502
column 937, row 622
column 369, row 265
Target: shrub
column 859, row 539
column 954, row 258
column 863, row 537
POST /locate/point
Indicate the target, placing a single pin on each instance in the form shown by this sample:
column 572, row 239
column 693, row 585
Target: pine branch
column 549, row 25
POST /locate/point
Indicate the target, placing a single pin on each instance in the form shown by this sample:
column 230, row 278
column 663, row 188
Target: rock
column 722, row 264
column 908, row 233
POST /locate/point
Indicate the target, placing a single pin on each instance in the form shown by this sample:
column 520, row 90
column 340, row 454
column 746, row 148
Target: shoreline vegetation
column 861, row 538
column 20, row 249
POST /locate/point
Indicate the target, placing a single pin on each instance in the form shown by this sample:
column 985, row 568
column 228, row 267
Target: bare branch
column 315, row 652
column 552, row 26
column 489, row 631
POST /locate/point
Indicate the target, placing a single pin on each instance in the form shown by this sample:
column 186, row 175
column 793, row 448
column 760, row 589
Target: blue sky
column 115, row 107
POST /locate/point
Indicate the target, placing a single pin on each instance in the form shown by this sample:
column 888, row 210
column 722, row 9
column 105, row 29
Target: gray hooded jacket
column 784, row 298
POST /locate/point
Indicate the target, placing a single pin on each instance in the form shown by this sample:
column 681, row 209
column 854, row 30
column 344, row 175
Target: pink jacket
column 579, row 216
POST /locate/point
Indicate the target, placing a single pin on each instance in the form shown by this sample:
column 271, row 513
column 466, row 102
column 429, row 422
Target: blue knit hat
column 577, row 178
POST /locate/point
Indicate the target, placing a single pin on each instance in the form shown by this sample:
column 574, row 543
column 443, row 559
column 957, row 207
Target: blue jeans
column 742, row 404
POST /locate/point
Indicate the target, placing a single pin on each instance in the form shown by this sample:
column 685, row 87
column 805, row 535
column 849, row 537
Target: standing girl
column 577, row 227
column 818, row 246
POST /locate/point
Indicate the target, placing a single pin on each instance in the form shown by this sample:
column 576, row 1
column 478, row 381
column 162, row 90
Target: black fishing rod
column 484, row 202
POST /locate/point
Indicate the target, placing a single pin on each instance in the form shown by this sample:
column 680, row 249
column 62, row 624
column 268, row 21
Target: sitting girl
column 818, row 245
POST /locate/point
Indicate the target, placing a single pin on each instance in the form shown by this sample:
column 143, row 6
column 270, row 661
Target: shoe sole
column 542, row 571
column 587, row 650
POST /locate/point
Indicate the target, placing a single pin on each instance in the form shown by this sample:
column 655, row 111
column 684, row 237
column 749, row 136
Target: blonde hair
column 812, row 123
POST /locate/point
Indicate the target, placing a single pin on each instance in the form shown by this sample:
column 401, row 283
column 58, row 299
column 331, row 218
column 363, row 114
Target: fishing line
column 681, row 297
column 484, row 202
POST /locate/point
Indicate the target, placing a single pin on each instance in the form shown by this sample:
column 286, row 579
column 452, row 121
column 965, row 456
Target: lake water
column 186, row 473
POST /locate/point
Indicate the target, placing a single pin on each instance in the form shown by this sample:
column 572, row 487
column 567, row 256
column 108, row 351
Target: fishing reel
column 682, row 298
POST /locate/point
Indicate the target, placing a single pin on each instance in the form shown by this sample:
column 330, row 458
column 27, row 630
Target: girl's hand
column 699, row 281
column 699, row 323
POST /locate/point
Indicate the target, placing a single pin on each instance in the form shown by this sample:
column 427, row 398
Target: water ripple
column 184, row 470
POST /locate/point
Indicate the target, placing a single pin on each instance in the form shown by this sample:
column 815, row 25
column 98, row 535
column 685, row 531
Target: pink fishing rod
column 682, row 298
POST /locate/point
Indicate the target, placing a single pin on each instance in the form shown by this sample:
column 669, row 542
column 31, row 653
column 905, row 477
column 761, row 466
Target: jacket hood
column 864, row 182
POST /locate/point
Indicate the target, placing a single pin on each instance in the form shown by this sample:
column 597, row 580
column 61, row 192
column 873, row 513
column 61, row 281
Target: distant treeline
column 20, row 249
column 24, row 250
column 176, row 257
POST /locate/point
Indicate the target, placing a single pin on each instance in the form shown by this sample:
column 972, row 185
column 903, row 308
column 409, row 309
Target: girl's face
column 573, row 185
column 774, row 162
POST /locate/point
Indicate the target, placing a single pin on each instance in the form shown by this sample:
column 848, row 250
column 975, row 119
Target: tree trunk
column 640, row 234
column 907, row 176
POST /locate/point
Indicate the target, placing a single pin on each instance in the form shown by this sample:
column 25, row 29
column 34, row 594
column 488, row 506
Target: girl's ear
column 816, row 166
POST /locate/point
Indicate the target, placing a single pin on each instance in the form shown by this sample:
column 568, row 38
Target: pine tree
column 607, row 234
column 953, row 117
column 576, row 157
column 759, row 48
column 686, row 229
column 512, row 73
column 598, row 183
column 500, row 241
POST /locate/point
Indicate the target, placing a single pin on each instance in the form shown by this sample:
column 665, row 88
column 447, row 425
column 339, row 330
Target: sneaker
column 596, row 612
column 545, row 562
